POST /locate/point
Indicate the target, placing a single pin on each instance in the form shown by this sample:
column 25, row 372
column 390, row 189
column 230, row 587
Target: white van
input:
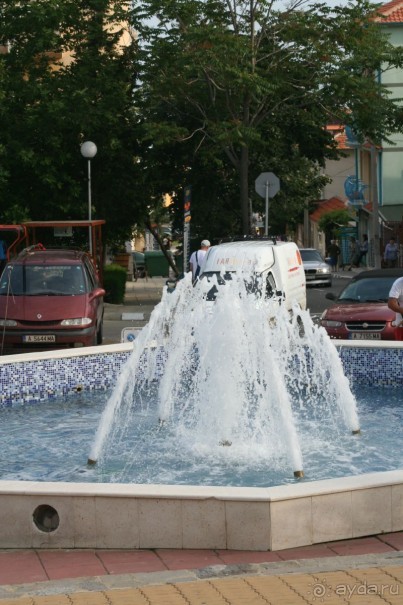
column 276, row 266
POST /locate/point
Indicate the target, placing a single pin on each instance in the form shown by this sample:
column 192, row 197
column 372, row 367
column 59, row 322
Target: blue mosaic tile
column 33, row 381
column 30, row 381
column 373, row 366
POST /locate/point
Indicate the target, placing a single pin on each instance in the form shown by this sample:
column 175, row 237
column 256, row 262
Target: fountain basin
column 79, row 515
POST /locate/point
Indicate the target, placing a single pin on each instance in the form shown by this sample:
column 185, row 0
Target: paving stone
column 88, row 598
column 131, row 596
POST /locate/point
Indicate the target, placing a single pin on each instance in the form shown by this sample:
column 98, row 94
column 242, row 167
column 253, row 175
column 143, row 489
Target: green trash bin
column 156, row 264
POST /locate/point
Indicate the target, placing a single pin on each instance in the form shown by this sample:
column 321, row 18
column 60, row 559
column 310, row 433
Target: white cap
column 206, row 243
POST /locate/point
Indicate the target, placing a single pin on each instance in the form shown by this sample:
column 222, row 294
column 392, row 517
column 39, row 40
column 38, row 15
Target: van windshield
column 42, row 280
column 254, row 284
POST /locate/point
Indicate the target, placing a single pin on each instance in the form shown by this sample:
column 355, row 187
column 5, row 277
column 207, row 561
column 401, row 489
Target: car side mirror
column 97, row 293
column 330, row 296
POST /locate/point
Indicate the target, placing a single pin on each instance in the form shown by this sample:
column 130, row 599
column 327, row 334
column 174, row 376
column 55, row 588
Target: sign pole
column 267, row 185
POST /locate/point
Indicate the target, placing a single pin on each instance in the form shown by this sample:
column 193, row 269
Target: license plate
column 39, row 338
column 365, row 336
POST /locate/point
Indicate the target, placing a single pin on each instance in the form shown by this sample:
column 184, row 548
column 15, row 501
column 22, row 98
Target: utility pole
column 375, row 206
column 307, row 230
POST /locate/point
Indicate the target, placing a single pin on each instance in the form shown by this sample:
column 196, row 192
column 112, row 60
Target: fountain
column 239, row 372
column 237, row 385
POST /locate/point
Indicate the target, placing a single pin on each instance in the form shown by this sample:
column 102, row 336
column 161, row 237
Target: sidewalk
column 349, row 274
column 134, row 313
column 365, row 570
column 141, row 295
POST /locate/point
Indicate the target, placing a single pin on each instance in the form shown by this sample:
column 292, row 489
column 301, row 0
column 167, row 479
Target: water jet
column 227, row 374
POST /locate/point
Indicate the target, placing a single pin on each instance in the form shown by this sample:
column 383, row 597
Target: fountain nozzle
column 91, row 462
column 298, row 474
column 356, row 432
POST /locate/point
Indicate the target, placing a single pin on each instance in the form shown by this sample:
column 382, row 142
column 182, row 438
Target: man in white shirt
column 395, row 302
column 197, row 258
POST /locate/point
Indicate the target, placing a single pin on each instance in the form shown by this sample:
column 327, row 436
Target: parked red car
column 361, row 311
column 51, row 297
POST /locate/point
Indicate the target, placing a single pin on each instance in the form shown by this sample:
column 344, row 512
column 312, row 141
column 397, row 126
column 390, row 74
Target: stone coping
column 67, row 353
column 127, row 347
column 201, row 492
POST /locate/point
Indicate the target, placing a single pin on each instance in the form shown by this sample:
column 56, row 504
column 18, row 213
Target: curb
column 91, row 584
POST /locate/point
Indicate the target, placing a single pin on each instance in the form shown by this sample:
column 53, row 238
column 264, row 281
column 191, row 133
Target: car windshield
column 42, row 280
column 368, row 290
column 311, row 255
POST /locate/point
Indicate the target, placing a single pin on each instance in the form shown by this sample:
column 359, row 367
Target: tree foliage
column 211, row 94
column 331, row 222
column 67, row 78
column 250, row 87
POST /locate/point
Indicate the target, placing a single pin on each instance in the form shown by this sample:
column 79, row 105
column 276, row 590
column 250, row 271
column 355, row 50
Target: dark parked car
column 361, row 311
column 317, row 271
column 51, row 297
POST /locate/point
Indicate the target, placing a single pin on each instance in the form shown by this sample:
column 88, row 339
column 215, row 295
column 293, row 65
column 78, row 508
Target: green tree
column 252, row 87
column 49, row 106
column 331, row 222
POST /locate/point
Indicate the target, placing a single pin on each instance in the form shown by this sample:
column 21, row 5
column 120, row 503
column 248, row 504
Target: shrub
column 114, row 283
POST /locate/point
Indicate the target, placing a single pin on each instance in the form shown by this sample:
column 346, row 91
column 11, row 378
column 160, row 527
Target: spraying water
column 234, row 377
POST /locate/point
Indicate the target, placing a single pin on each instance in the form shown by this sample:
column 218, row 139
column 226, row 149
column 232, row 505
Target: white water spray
column 240, row 372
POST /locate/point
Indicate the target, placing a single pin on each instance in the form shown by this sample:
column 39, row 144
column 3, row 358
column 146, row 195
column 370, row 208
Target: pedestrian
column 355, row 253
column 197, row 258
column 333, row 253
column 395, row 303
column 363, row 248
column 3, row 255
column 391, row 253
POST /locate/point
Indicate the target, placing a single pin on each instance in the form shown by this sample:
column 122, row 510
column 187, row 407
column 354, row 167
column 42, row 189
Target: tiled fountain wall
column 36, row 377
column 71, row 515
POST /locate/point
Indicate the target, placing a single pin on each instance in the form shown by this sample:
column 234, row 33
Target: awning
column 392, row 212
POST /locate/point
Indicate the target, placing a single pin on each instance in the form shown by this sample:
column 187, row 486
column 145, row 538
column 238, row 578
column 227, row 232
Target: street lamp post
column 89, row 150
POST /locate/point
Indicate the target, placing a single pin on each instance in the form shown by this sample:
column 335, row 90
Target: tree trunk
column 157, row 236
column 244, row 190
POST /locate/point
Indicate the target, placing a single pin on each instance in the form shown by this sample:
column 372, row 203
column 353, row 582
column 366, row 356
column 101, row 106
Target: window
column 42, row 280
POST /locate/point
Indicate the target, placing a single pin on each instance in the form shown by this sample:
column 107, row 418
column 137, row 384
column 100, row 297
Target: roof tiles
column 392, row 12
column 339, row 135
column 334, row 203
